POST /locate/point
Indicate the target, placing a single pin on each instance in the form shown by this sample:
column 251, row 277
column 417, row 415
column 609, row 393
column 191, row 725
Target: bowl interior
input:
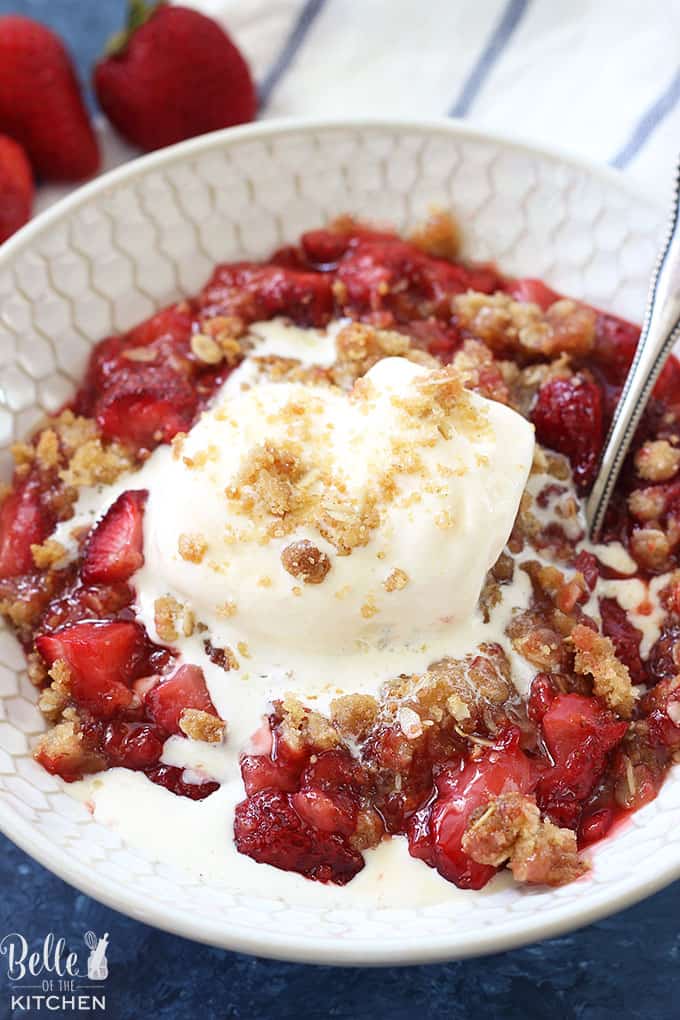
column 150, row 232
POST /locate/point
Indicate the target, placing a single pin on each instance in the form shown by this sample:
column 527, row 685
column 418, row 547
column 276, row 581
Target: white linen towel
column 600, row 78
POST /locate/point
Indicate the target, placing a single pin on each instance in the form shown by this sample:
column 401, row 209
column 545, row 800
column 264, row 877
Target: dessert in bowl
column 302, row 576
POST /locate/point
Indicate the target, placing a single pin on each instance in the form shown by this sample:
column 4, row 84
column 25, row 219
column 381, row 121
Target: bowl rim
column 307, row 948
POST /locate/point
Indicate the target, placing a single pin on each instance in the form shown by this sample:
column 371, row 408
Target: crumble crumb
column 369, row 608
column 192, row 547
column 53, row 699
column 396, row 580
column 360, row 346
column 169, row 615
column 509, row 829
column 657, row 461
column 140, row 354
column 200, row 725
column 64, row 743
column 47, row 554
column 503, row 324
column 439, row 235
column 94, row 464
column 243, row 649
column 303, row 559
column 206, row 349
column 226, row 609
column 301, row 725
column 36, row 669
column 596, row 657
column 650, row 547
column 47, row 449
column 354, row 714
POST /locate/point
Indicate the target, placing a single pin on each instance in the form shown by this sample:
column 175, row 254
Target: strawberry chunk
column 146, row 406
column 579, row 735
column 568, row 418
column 184, row 689
column 103, row 659
column 172, row 778
column 532, row 291
column 23, row 522
column 251, row 291
column 114, row 549
column 268, row 828
column 133, row 745
column 435, row 832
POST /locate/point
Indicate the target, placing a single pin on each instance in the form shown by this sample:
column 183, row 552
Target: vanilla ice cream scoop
column 307, row 519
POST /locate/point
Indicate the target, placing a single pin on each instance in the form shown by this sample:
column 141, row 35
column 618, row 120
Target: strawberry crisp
column 516, row 752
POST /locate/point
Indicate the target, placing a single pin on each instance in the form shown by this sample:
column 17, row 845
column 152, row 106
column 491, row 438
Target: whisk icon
column 97, row 964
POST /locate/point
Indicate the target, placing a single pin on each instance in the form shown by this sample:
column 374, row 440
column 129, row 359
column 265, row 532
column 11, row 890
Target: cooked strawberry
column 435, row 833
column 172, row 778
column 16, row 187
column 40, row 101
column 568, row 418
column 171, row 323
column 252, row 291
column 572, row 717
column 268, row 828
column 114, row 549
column 184, row 689
column 174, row 73
column 23, row 522
column 259, row 772
column 133, row 745
column 103, row 659
column 579, row 735
column 625, row 636
column 146, row 406
column 533, row 291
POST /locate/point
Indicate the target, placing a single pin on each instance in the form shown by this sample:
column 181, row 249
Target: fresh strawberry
column 173, row 74
column 184, row 689
column 23, row 522
column 435, row 832
column 114, row 549
column 40, row 101
column 16, row 187
column 103, row 659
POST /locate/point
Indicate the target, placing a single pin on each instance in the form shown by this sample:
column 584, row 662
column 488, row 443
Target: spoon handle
column 660, row 332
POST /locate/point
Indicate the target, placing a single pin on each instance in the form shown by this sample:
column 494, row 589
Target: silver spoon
column 660, row 332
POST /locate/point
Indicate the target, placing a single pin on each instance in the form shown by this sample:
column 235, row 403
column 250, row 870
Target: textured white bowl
column 151, row 231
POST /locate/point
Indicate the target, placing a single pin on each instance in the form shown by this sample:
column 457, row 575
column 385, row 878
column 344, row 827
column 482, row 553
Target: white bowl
column 141, row 236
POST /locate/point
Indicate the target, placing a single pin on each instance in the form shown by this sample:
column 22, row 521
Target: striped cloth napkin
column 600, row 78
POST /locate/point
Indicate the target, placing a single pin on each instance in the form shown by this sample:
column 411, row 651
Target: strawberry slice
column 435, row 832
column 114, row 549
column 184, row 689
column 103, row 658
column 23, row 522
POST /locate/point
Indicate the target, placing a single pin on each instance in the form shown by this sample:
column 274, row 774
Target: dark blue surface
column 626, row 966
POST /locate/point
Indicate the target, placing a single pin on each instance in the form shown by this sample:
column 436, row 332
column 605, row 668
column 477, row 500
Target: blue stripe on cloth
column 290, row 49
column 648, row 123
column 510, row 18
